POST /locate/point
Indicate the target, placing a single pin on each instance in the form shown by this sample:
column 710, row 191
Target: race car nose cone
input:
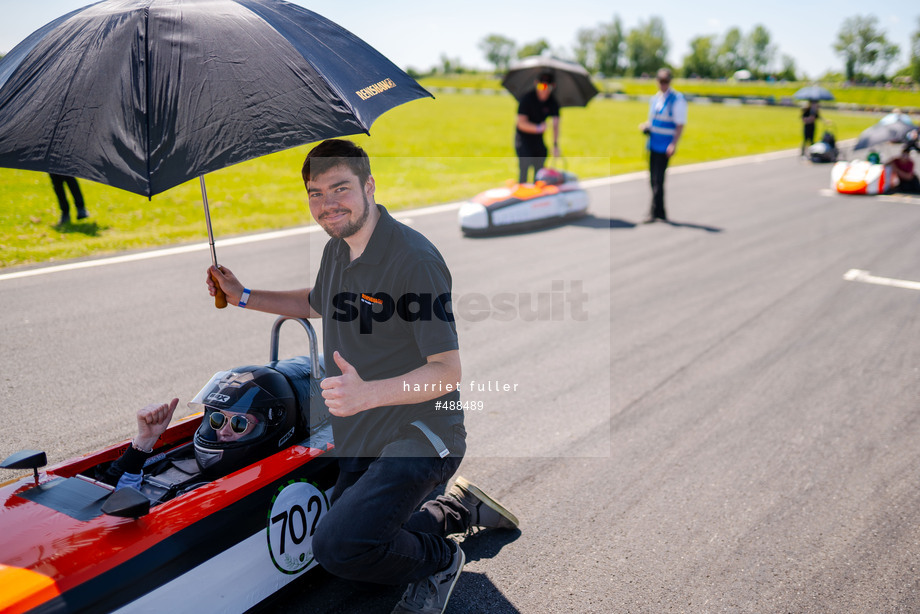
column 473, row 216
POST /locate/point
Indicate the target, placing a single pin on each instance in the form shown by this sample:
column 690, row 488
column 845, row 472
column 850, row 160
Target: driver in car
column 249, row 413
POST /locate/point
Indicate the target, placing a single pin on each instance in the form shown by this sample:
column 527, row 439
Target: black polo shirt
column 385, row 313
column 536, row 111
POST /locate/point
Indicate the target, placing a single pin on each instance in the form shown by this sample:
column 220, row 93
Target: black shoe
column 430, row 595
column 485, row 511
column 65, row 219
column 82, row 214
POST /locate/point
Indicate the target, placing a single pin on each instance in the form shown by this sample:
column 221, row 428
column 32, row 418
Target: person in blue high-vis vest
column 667, row 117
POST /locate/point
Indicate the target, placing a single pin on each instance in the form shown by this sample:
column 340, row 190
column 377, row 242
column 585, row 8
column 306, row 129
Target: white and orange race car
column 862, row 177
column 183, row 542
column 554, row 197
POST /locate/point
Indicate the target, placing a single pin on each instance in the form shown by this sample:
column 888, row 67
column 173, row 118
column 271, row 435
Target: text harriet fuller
column 475, row 386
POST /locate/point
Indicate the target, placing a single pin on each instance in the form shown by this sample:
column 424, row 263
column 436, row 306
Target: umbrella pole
column 220, row 299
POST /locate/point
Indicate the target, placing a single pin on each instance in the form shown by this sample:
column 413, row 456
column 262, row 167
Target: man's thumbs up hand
column 343, row 364
column 346, row 394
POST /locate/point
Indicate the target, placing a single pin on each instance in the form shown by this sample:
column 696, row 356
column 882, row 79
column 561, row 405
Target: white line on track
column 159, row 253
column 198, row 247
column 866, row 278
column 267, row 236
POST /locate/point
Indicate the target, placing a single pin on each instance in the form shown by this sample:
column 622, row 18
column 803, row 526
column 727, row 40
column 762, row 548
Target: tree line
column 610, row 50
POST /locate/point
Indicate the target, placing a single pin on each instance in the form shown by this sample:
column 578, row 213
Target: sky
column 417, row 33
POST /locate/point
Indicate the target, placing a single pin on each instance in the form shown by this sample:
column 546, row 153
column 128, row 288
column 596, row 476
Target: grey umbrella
column 146, row 94
column 813, row 92
column 893, row 128
column 573, row 83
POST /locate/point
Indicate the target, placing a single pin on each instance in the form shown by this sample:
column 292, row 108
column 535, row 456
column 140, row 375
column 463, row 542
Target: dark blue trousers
column 658, row 164
column 375, row 530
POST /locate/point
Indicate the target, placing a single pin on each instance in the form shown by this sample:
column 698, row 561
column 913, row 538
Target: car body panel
column 189, row 548
column 861, row 177
column 521, row 206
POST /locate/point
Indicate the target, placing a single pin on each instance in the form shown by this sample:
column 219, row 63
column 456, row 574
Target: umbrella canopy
column 893, row 128
column 146, row 94
column 897, row 117
column 813, row 92
column 573, row 83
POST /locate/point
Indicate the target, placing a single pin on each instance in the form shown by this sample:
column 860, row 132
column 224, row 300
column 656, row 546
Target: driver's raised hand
column 152, row 421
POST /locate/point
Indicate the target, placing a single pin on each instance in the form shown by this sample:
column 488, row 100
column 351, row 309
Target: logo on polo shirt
column 370, row 307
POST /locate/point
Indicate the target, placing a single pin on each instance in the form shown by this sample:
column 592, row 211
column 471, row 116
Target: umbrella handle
column 220, row 299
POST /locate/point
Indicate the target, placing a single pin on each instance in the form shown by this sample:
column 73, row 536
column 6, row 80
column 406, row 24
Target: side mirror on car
column 26, row 459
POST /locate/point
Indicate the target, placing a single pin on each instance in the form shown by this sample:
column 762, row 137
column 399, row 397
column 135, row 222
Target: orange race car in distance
column 555, row 196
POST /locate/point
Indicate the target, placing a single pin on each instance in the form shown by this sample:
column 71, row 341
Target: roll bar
column 311, row 334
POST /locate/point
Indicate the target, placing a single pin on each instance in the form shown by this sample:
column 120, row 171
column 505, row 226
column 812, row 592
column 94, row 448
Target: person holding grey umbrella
column 533, row 111
column 542, row 85
column 810, row 116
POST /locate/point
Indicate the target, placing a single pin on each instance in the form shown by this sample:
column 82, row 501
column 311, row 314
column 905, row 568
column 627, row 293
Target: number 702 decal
column 296, row 510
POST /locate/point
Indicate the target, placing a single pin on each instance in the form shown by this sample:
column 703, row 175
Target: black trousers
column 657, row 165
column 58, row 182
column 529, row 155
column 808, row 136
column 374, row 530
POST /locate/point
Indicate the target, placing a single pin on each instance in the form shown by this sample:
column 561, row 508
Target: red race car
column 70, row 542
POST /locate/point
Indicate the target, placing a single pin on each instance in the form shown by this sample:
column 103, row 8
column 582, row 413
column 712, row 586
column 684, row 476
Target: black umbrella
column 573, row 83
column 813, row 92
column 893, row 128
column 146, row 94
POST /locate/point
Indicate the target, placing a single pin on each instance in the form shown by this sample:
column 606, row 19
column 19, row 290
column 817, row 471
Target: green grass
column 424, row 152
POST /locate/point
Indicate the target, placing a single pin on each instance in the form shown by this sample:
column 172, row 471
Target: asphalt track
column 727, row 422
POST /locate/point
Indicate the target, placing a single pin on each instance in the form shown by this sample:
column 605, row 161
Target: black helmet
column 249, row 413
